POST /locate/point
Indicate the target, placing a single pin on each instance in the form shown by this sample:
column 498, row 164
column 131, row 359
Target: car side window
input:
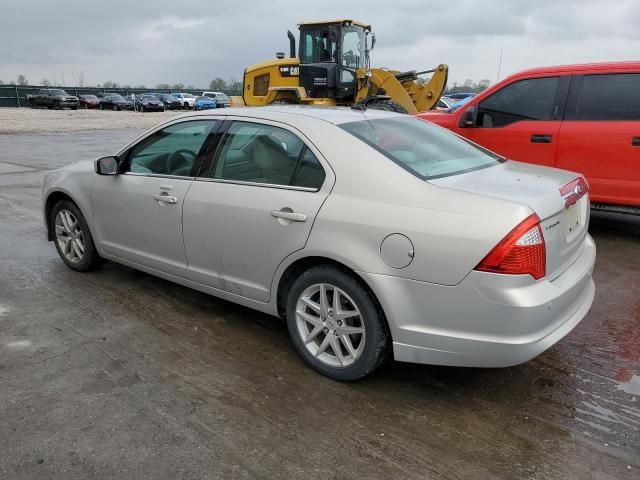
column 609, row 97
column 172, row 150
column 257, row 153
column 309, row 173
column 530, row 99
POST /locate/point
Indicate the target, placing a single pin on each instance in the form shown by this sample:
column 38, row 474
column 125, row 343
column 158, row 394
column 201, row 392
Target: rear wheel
column 335, row 324
column 73, row 238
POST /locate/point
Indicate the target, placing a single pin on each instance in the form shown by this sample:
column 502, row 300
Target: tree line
column 468, row 86
column 221, row 84
column 79, row 81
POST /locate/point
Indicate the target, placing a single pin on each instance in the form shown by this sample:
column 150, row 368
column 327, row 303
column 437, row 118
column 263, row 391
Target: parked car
column 458, row 103
column 222, row 100
column 443, row 104
column 53, row 98
column 89, row 101
column 115, row 102
column 367, row 231
column 584, row 118
column 186, row 100
column 205, row 103
column 170, row 102
column 148, row 103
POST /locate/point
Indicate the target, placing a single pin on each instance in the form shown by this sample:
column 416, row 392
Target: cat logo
column 290, row 71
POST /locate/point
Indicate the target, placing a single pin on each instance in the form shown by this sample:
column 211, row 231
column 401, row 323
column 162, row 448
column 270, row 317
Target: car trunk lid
column 558, row 197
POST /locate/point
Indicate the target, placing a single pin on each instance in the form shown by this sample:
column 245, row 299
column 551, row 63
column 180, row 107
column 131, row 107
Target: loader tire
column 388, row 105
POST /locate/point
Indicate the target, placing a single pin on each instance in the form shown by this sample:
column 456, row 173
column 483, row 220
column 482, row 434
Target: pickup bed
column 53, row 98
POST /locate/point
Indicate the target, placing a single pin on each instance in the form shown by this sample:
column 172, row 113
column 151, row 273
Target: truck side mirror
column 468, row 118
column 107, row 165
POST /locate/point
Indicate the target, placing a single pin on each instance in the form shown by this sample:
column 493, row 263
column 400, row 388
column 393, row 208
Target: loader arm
column 403, row 87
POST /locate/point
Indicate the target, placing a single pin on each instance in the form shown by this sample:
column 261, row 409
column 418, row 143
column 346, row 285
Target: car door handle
column 166, row 199
column 541, row 138
column 635, row 142
column 289, row 215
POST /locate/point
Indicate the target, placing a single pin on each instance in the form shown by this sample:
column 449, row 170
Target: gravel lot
column 29, row 120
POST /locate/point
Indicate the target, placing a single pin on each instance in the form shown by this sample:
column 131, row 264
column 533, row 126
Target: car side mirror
column 468, row 118
column 107, row 165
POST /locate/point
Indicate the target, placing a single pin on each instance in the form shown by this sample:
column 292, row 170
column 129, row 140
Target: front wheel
column 335, row 324
column 73, row 238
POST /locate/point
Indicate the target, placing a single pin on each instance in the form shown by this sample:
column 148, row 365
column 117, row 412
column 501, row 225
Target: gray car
column 373, row 234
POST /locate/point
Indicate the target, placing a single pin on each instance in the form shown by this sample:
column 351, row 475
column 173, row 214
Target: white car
column 187, row 100
column 221, row 98
column 372, row 233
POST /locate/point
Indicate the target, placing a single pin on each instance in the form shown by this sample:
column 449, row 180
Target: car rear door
column 600, row 135
column 254, row 206
column 520, row 121
column 138, row 213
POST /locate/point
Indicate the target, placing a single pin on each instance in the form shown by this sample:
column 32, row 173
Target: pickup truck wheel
column 117, row 109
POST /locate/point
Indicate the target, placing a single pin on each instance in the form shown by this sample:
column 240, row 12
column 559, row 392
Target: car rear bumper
column 488, row 320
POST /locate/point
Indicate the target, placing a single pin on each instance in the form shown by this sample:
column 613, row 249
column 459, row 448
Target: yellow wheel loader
column 332, row 68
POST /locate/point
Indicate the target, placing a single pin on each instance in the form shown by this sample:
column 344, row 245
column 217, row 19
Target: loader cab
column 330, row 54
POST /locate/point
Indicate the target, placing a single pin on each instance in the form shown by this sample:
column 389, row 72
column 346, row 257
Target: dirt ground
column 42, row 120
column 118, row 374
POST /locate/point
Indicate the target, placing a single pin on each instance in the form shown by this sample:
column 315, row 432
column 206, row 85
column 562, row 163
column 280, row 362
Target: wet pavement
column 117, row 374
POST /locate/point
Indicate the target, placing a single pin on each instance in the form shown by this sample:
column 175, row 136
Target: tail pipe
column 292, row 44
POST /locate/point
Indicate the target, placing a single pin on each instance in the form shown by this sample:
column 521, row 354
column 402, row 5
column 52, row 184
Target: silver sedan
column 373, row 234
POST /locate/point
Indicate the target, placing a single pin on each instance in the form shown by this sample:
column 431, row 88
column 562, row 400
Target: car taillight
column 521, row 252
column 574, row 191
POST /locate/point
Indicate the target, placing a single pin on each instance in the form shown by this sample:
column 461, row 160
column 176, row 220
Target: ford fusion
column 373, row 234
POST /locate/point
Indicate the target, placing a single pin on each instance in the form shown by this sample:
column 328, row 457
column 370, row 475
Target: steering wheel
column 180, row 159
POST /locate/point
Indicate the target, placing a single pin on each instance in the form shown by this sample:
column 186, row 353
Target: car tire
column 117, row 109
column 142, row 108
column 363, row 351
column 101, row 107
column 78, row 252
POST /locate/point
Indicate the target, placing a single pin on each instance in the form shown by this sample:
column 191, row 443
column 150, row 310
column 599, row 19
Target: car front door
column 138, row 213
column 254, row 207
column 600, row 135
column 521, row 121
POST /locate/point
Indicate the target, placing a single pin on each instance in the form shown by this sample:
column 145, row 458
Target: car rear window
column 422, row 148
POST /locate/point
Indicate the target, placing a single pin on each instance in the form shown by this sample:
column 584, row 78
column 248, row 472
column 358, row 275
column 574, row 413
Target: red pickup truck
column 584, row 118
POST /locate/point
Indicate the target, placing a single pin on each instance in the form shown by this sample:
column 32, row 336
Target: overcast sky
column 190, row 41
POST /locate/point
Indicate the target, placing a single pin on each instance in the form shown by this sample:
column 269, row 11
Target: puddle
column 632, row 386
column 19, row 344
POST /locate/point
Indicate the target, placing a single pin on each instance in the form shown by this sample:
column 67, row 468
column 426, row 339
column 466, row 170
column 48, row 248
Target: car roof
column 335, row 115
column 580, row 67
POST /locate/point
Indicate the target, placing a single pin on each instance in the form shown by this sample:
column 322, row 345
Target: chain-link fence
column 16, row 95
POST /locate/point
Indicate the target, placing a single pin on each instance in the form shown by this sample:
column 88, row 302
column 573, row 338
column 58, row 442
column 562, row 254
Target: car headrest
column 268, row 154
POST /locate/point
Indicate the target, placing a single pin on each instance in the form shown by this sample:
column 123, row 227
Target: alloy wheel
column 69, row 236
column 330, row 325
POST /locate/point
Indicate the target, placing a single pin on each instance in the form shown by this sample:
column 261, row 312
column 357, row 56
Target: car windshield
column 149, row 98
column 58, row 92
column 204, row 99
column 422, row 148
column 187, row 95
column 89, row 97
column 116, row 97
